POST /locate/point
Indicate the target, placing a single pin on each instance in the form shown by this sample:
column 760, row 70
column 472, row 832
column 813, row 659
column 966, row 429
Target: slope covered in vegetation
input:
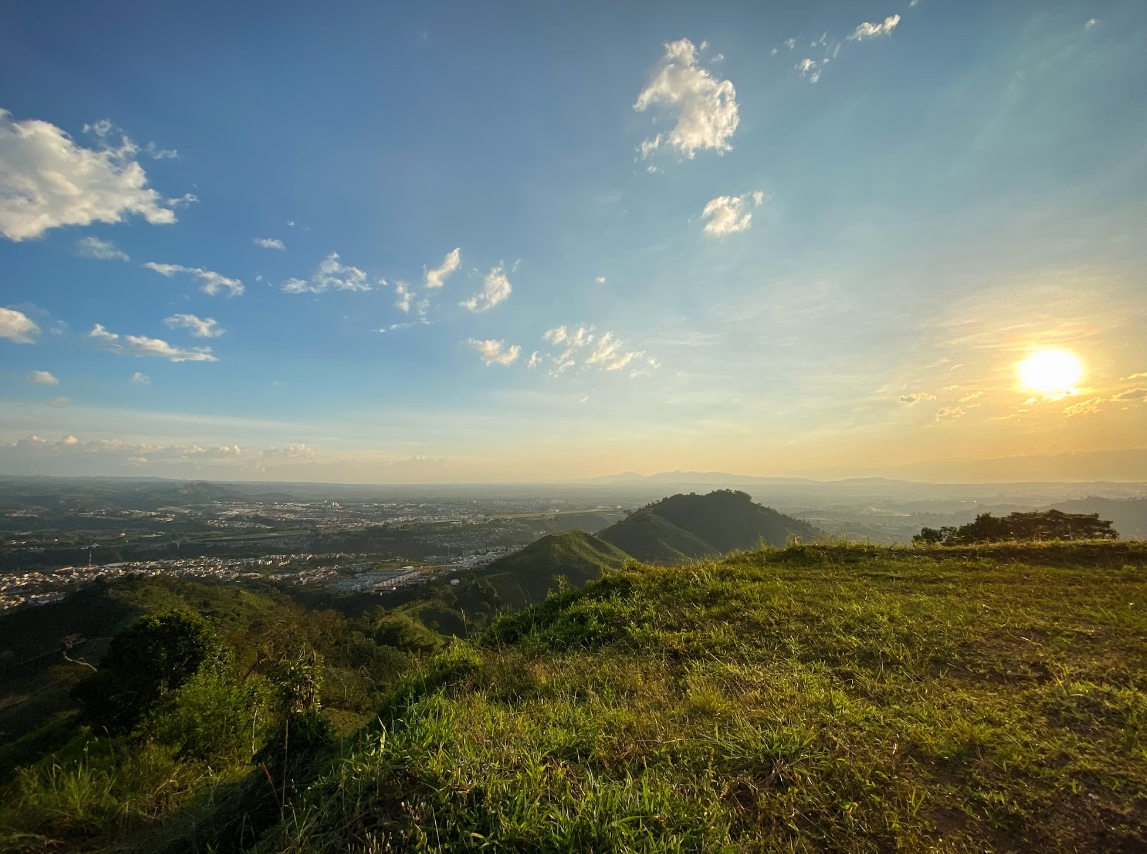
column 525, row 577
column 684, row 527
column 812, row 699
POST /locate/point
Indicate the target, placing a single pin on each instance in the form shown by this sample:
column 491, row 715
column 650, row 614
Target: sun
column 1051, row 372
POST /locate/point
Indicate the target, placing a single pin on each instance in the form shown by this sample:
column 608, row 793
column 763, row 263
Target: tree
column 144, row 662
column 1041, row 525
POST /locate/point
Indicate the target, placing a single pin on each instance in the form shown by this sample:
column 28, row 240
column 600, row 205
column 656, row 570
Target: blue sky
column 764, row 238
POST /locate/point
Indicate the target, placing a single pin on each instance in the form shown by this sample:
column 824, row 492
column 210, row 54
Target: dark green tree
column 1041, row 525
column 144, row 662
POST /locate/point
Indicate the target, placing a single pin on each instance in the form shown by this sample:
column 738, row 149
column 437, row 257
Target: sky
column 510, row 242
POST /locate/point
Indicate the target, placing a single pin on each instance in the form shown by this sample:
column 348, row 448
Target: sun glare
column 1051, row 372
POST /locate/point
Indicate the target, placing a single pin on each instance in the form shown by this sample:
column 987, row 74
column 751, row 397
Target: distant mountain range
column 674, row 530
column 706, row 477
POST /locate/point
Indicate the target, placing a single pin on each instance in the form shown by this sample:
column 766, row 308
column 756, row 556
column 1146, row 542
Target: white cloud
column 1091, row 24
column 950, row 413
column 916, row 397
column 872, row 31
column 436, row 278
column 535, row 360
column 790, row 43
column 605, row 351
column 600, row 280
column 811, row 69
column 157, row 153
column 293, row 452
column 330, row 274
column 730, row 214
column 140, row 379
column 705, row 108
column 16, row 327
column 212, row 282
column 47, row 181
column 494, row 352
column 102, row 250
column 139, row 345
column 495, row 289
column 773, row 52
column 404, row 296
column 43, row 377
column 199, row 327
column 270, row 243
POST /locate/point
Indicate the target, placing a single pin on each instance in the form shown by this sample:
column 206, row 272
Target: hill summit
column 687, row 527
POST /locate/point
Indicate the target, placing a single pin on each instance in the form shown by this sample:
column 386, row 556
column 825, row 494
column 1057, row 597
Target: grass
column 839, row 698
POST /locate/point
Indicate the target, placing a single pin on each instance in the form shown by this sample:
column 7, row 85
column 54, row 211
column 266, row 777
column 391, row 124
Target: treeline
column 1038, row 526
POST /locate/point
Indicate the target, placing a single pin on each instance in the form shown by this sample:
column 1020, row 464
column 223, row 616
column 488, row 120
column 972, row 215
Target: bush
column 145, row 661
column 212, row 719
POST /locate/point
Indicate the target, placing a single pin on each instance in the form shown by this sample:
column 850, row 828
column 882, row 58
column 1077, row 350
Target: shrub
column 156, row 655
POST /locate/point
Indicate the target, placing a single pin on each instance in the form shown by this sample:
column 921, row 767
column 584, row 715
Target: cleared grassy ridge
column 847, row 699
column 525, row 577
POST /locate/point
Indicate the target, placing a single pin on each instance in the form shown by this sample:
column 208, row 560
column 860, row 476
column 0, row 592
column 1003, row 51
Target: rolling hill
column 525, row 577
column 687, row 527
column 1129, row 515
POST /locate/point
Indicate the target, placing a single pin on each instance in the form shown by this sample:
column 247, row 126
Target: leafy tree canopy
column 144, row 662
column 1041, row 525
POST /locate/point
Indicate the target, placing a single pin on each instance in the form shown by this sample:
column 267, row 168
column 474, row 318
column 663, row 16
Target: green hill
column 652, row 539
column 525, row 577
column 685, row 527
column 819, row 698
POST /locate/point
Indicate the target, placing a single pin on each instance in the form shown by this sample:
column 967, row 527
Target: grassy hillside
column 684, row 527
column 818, row 698
column 525, row 577
column 648, row 537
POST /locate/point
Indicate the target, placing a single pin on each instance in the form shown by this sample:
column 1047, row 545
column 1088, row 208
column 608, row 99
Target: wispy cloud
column 43, row 378
column 270, row 243
column 139, row 345
column 950, row 413
column 140, row 379
column 403, row 296
column 730, row 214
column 211, row 282
column 200, row 328
column 436, row 278
column 47, row 181
column 1084, row 407
column 17, row 327
column 872, row 31
column 495, row 352
column 496, row 289
column 916, row 397
column 581, row 345
column 331, row 274
column 1132, row 394
column 101, row 250
column 811, row 68
column 705, row 108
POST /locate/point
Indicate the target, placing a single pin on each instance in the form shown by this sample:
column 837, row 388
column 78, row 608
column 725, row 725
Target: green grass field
column 844, row 699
